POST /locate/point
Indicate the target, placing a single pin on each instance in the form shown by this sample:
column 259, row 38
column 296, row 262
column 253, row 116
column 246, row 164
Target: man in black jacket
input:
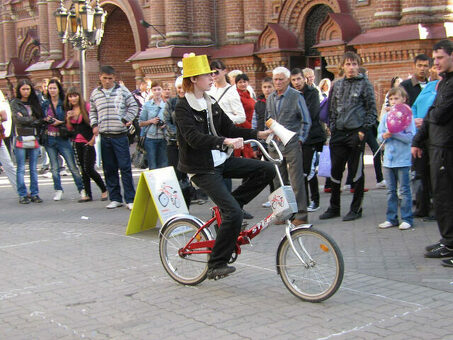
column 316, row 135
column 413, row 87
column 352, row 111
column 436, row 131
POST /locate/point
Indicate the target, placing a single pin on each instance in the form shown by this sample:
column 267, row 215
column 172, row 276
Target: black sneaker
column 247, row 215
column 220, row 272
column 447, row 262
column 36, row 199
column 440, row 251
column 352, row 215
column 329, row 213
column 24, row 200
column 432, row 246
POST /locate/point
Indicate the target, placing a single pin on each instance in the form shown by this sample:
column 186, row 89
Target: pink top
column 79, row 138
column 50, row 127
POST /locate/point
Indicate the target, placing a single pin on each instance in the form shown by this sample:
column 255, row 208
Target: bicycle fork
column 293, row 247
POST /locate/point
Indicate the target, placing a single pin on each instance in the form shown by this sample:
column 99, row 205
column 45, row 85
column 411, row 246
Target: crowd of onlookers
column 414, row 164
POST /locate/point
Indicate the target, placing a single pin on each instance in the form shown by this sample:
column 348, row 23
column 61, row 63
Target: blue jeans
column 115, row 155
column 156, row 153
column 393, row 176
column 61, row 146
column 33, row 161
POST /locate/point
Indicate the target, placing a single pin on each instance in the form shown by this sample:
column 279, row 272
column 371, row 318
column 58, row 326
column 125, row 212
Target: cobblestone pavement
column 69, row 272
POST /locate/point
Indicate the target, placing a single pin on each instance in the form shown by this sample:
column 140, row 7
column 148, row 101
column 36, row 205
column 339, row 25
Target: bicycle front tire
column 188, row 269
column 322, row 277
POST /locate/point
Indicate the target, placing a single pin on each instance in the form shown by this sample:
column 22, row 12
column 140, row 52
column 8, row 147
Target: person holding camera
column 58, row 142
column 153, row 126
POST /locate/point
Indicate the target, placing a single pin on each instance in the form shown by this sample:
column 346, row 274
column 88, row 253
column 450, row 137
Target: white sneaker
column 266, row 204
column 83, row 193
column 114, row 204
column 347, row 187
column 129, row 206
column 381, row 185
column 47, row 175
column 64, row 173
column 386, row 225
column 58, row 195
column 404, row 226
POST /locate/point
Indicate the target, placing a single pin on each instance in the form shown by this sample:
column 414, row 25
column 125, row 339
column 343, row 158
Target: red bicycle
column 309, row 262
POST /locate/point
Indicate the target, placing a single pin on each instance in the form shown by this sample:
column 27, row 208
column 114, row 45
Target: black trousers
column 344, row 146
column 257, row 175
column 370, row 139
column 441, row 167
column 86, row 157
column 423, row 191
column 308, row 152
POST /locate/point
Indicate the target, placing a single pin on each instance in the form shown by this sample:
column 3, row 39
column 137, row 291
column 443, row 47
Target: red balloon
column 399, row 118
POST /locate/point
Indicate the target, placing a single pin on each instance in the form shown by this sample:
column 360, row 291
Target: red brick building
column 251, row 35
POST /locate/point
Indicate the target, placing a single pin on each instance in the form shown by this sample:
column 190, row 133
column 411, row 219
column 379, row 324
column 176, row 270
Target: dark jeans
column 308, row 152
column 344, row 146
column 86, row 156
column 115, row 156
column 423, row 191
column 441, row 167
column 257, row 175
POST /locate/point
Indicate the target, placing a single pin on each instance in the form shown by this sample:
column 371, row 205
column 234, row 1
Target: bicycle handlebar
column 265, row 153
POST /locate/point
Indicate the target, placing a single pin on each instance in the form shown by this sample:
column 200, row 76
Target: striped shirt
column 108, row 109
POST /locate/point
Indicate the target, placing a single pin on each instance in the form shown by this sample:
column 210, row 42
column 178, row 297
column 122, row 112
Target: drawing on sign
column 168, row 194
column 277, row 200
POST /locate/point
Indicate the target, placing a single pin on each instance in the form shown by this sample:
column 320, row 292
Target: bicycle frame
column 195, row 246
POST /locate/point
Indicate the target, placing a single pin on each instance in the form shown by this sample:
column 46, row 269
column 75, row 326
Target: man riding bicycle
column 206, row 138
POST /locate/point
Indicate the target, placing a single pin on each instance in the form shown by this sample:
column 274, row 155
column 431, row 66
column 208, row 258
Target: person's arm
column 440, row 112
column 407, row 135
column 93, row 115
column 131, row 105
column 19, row 116
column 238, row 113
column 306, row 119
column 169, row 108
column 3, row 116
column 190, row 131
column 382, row 128
column 332, row 103
column 370, row 107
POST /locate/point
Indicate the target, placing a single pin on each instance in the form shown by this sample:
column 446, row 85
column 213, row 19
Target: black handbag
column 139, row 156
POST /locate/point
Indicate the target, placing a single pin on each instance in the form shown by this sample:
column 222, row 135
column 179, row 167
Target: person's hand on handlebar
column 235, row 143
column 264, row 134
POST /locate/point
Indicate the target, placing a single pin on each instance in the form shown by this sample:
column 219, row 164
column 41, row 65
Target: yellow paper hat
column 195, row 65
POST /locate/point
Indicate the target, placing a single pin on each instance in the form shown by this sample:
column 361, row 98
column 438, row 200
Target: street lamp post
column 83, row 27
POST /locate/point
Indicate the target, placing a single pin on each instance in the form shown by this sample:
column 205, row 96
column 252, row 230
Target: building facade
column 147, row 38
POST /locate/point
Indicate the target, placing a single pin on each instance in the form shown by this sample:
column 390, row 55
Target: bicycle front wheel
column 189, row 269
column 323, row 273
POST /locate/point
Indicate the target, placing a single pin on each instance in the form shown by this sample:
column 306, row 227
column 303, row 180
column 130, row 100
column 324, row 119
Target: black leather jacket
column 437, row 128
column 352, row 104
column 25, row 124
column 196, row 140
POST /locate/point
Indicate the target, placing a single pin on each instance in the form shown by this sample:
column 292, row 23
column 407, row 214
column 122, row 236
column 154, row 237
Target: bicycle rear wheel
column 323, row 274
column 188, row 269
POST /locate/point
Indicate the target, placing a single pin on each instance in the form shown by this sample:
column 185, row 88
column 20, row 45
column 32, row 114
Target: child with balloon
column 396, row 129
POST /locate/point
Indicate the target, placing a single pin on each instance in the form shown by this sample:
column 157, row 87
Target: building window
column 362, row 2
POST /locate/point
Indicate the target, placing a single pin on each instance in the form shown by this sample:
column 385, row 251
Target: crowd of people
column 200, row 132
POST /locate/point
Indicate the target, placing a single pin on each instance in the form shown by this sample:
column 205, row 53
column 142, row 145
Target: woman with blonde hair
column 324, row 87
